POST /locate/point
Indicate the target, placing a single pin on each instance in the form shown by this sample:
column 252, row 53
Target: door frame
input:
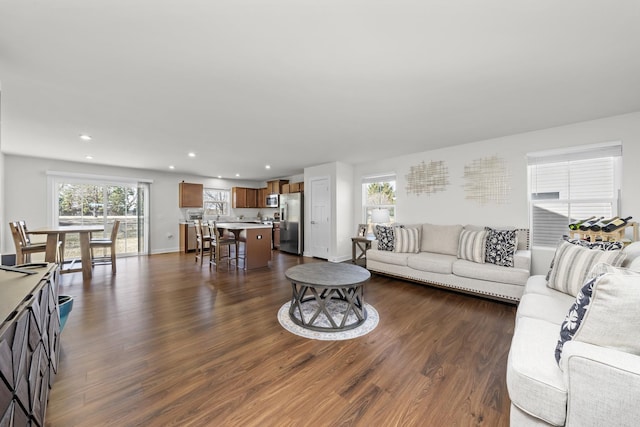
column 308, row 208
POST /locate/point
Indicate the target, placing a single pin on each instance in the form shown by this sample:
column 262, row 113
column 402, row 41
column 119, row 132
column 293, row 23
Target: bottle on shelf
column 600, row 224
column 587, row 224
column 616, row 224
column 576, row 224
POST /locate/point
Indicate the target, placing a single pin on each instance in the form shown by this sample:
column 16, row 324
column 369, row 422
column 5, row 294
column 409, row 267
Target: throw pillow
column 605, row 312
column 385, row 237
column 572, row 264
column 407, row 240
column 603, row 246
column 472, row 246
column 501, row 246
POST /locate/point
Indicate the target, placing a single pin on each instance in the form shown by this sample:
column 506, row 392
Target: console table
column 327, row 296
column 29, row 344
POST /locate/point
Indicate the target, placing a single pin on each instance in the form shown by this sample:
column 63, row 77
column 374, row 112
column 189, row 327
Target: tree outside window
column 378, row 193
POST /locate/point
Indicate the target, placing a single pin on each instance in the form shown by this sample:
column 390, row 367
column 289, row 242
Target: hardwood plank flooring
column 168, row 343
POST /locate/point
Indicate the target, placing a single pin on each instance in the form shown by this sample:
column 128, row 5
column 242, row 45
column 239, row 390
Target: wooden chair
column 106, row 243
column 219, row 241
column 203, row 241
column 23, row 245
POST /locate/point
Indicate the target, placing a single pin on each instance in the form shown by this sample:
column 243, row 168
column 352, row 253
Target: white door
column 320, row 218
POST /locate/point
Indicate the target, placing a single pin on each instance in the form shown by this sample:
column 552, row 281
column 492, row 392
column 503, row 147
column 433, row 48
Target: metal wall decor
column 487, row 180
column 427, row 178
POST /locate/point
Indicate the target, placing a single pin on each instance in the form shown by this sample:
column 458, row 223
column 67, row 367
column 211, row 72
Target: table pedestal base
column 327, row 309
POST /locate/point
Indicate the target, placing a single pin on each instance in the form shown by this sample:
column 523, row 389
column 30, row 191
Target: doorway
column 320, row 236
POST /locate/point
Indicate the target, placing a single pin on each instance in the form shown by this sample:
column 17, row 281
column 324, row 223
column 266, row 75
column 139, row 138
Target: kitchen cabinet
column 293, row 187
column 262, row 197
column 244, row 197
column 275, row 186
column 190, row 195
column 187, row 237
column 29, row 344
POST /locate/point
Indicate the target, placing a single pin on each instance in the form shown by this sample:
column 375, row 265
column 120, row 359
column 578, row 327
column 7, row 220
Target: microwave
column 272, row 201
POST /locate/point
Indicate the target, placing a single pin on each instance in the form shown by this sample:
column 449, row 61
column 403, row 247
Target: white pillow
column 473, row 245
column 610, row 318
column 572, row 264
column 407, row 240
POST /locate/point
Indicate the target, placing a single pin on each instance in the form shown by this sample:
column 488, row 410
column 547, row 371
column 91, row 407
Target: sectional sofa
column 469, row 259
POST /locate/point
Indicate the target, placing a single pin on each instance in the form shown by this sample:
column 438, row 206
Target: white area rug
column 369, row 325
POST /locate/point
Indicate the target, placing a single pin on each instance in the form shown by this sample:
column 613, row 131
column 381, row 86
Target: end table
column 359, row 246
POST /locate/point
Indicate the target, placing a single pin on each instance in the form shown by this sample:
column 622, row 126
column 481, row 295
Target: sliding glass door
column 86, row 202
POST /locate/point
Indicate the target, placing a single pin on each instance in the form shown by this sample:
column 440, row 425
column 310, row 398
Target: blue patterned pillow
column 385, row 237
column 574, row 318
column 501, row 246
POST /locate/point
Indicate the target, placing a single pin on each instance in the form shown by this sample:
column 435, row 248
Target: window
column 216, row 202
column 573, row 184
column 92, row 200
column 378, row 192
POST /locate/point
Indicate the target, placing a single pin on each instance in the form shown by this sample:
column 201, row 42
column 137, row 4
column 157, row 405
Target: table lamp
column 379, row 216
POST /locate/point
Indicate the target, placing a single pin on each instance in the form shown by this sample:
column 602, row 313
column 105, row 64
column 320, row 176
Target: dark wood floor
column 167, row 343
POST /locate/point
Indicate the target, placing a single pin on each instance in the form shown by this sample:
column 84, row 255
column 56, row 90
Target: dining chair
column 218, row 242
column 203, row 240
column 23, row 245
column 105, row 243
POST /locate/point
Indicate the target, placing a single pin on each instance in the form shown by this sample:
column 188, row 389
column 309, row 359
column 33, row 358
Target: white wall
column 451, row 206
column 25, row 196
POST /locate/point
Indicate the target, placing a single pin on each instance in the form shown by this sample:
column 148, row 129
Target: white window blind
column 571, row 184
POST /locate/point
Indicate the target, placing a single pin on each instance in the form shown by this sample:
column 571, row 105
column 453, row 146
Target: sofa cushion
column 490, row 272
column 605, row 312
column 472, row 245
column 388, row 257
column 534, row 380
column 501, row 246
column 433, row 263
column 550, row 308
column 407, row 240
column 440, row 239
column 385, row 237
column 571, row 265
column 603, row 246
column 632, row 258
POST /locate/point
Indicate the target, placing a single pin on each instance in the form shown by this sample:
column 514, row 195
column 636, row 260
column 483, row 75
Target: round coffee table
column 327, row 296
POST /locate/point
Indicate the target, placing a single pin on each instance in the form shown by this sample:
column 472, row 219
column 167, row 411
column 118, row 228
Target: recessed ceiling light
column 237, row 174
column 171, row 167
column 219, row 176
column 88, row 157
column 192, row 154
column 267, row 167
column 85, row 137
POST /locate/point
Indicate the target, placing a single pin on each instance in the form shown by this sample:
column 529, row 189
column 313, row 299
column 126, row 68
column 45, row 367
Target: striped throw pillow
column 572, row 264
column 407, row 240
column 472, row 245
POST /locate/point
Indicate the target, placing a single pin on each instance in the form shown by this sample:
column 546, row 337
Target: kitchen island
column 255, row 242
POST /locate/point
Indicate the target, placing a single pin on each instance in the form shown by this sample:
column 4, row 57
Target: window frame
column 574, row 160
column 368, row 207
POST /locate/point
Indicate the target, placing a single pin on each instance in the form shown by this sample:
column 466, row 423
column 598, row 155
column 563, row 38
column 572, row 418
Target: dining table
column 56, row 235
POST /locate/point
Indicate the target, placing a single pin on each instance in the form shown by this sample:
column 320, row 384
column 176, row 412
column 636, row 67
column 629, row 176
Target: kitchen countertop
column 245, row 225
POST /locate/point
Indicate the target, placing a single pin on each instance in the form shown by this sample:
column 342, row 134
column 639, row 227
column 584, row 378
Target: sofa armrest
column 522, row 259
column 603, row 385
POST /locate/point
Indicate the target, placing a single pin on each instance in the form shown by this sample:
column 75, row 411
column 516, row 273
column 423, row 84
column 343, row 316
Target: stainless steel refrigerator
column 291, row 220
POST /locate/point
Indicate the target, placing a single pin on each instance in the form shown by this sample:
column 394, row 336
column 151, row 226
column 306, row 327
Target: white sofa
column 437, row 263
column 593, row 385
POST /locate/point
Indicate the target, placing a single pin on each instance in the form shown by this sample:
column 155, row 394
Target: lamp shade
column 379, row 216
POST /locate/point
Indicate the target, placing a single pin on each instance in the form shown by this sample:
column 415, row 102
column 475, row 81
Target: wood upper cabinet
column 190, row 195
column 293, row 187
column 244, row 197
column 262, row 197
column 275, row 187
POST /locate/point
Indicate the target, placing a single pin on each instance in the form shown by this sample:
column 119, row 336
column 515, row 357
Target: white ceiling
column 299, row 83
